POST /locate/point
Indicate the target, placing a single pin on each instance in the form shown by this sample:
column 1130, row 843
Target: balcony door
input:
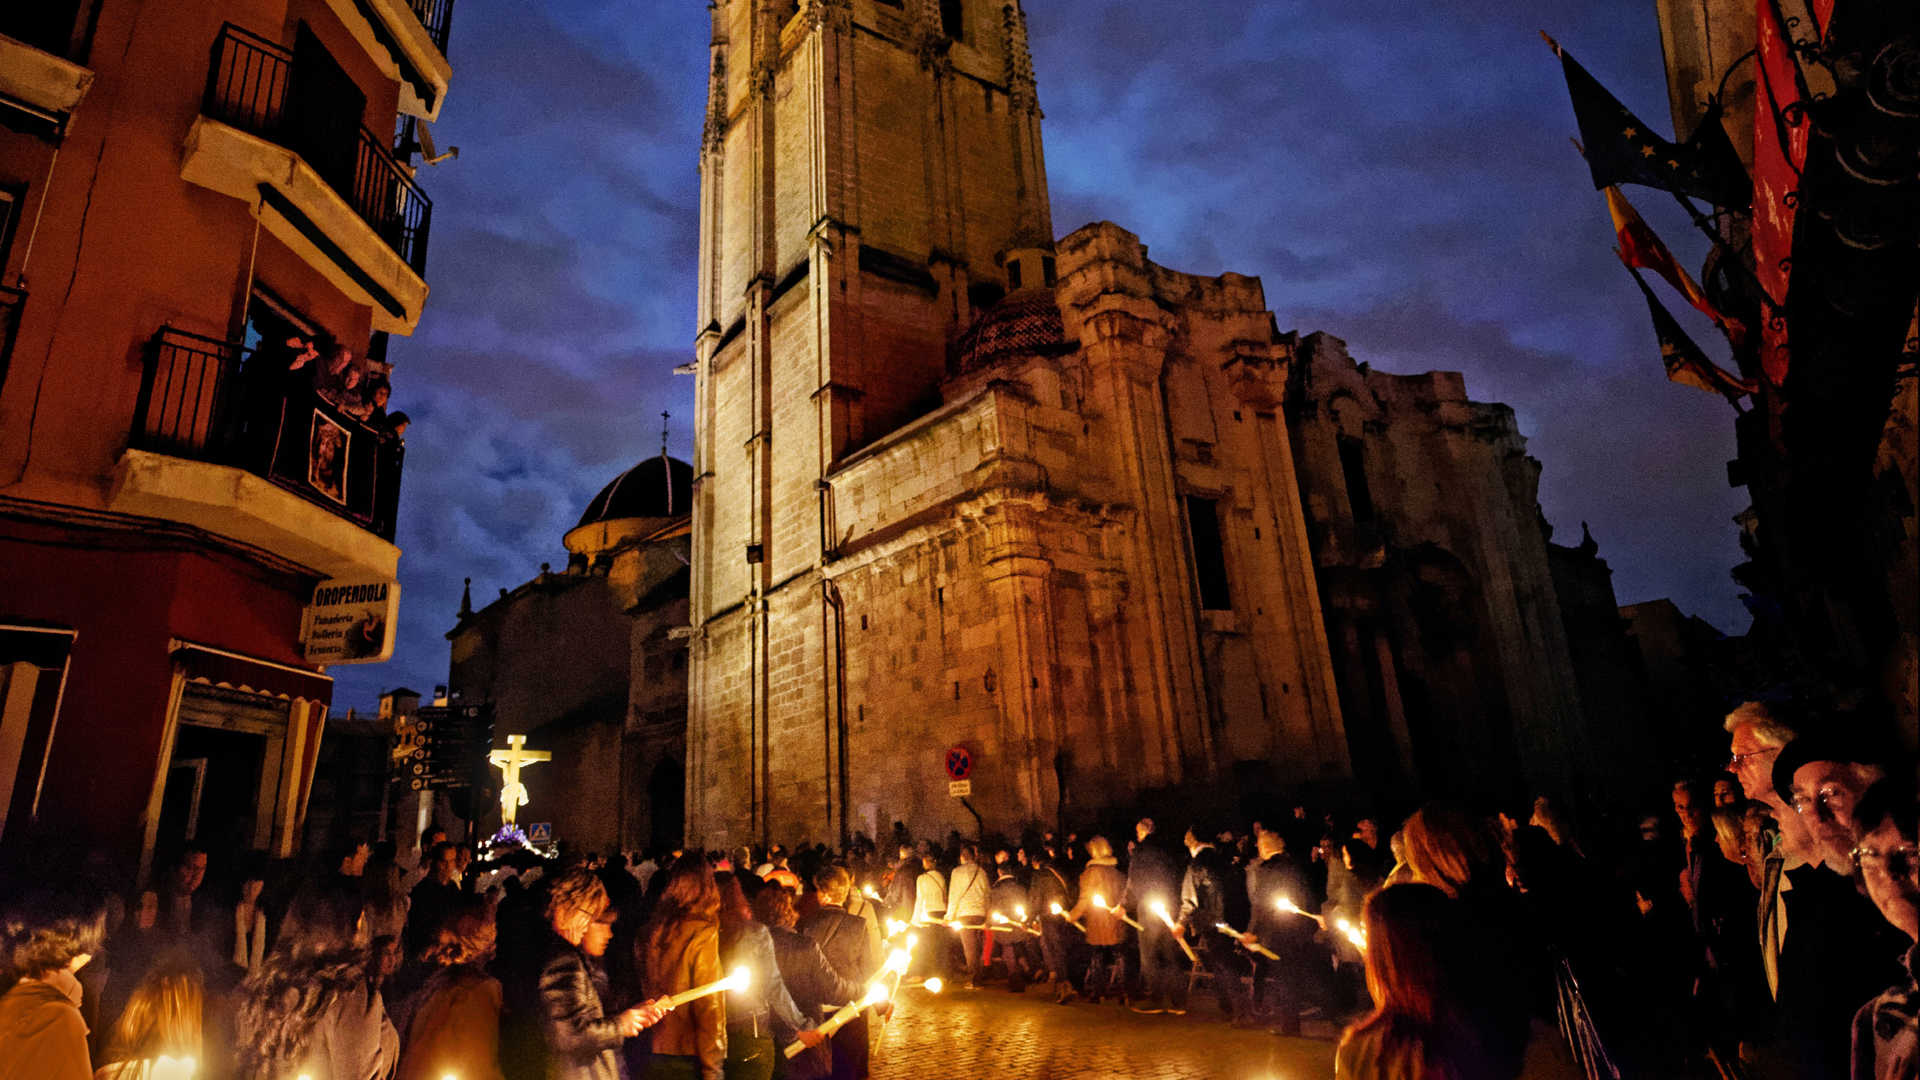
column 324, row 108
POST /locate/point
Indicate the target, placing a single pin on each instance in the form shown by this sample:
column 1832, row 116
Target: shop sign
column 350, row 622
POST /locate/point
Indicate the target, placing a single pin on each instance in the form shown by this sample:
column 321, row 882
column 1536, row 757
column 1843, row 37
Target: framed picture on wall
column 327, row 458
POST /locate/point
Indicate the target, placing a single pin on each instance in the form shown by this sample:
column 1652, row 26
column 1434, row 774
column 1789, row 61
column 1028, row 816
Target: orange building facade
column 208, row 215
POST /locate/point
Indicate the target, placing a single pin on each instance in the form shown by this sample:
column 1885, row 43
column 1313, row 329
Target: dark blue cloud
column 1396, row 171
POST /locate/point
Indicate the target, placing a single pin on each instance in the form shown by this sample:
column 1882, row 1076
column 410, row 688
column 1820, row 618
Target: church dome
column 1024, row 322
column 658, row 487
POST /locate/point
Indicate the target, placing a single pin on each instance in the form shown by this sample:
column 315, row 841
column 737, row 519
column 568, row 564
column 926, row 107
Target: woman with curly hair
column 561, row 1028
column 43, row 943
column 679, row 949
column 452, row 1022
column 310, row 1008
column 762, row 1016
column 158, row 1034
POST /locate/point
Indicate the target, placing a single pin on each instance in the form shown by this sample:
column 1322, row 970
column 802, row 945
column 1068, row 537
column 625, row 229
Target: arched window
column 953, row 21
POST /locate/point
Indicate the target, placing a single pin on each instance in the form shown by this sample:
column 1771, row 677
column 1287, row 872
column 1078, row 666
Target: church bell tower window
column 953, row 19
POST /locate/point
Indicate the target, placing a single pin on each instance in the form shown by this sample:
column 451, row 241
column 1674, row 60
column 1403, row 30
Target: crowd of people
column 341, row 382
column 1763, row 925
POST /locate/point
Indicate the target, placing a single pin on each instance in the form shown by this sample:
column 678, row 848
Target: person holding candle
column 1017, row 949
column 1105, row 933
column 679, row 949
column 967, row 894
column 560, row 1028
column 811, row 981
column 1203, row 906
column 1151, row 873
column 842, row 939
column 761, row 1016
column 1297, row 977
column 1048, row 888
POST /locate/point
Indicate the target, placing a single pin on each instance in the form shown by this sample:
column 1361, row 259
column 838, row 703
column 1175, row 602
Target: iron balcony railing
column 437, row 17
column 206, row 399
column 253, row 84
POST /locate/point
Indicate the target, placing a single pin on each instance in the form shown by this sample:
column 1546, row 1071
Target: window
column 1046, row 269
column 1209, row 555
column 1013, row 274
column 953, row 19
column 1353, row 464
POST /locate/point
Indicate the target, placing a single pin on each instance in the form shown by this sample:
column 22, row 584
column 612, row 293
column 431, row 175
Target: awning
column 219, row 667
column 43, row 646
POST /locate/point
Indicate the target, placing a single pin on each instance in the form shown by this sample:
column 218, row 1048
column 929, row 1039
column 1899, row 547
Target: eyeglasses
column 1737, row 760
column 1830, row 803
column 1900, row 862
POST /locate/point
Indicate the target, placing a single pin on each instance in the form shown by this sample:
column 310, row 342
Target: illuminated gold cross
column 513, row 793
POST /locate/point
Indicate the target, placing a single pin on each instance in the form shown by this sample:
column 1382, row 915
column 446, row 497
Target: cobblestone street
column 961, row 1035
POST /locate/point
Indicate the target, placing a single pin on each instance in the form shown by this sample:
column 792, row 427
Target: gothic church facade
column 957, row 484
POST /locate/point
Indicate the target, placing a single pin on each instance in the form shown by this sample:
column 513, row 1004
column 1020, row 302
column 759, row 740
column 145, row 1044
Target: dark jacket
column 1203, row 893
column 811, row 979
column 559, row 1029
column 843, row 940
column 1267, row 881
column 1839, row 953
column 1151, row 875
column 1049, row 887
column 764, row 1009
column 427, row 909
column 1009, row 898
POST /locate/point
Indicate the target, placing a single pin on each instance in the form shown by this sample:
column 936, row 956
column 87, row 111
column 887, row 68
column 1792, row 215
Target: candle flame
column 933, row 985
column 1020, row 912
column 953, row 924
column 868, row 892
column 1055, row 908
column 999, row 918
column 877, row 993
column 894, row 927
column 1099, row 901
column 912, row 941
column 897, row 961
column 1286, row 903
column 739, row 979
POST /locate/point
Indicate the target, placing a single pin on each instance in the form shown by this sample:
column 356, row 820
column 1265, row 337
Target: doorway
column 667, row 799
column 213, row 790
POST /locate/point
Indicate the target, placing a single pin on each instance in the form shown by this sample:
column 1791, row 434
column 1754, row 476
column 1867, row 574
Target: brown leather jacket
column 689, row 956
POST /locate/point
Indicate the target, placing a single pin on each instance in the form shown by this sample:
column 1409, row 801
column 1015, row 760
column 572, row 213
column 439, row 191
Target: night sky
column 1397, row 173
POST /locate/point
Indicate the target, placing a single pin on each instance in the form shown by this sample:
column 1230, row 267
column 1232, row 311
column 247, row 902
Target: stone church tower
column 955, row 487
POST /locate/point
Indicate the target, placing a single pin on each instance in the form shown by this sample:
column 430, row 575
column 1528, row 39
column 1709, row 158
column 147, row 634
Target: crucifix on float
column 513, row 793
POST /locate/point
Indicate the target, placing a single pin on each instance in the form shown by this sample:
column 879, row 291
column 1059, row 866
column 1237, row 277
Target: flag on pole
column 1686, row 364
column 1620, row 149
column 1641, row 246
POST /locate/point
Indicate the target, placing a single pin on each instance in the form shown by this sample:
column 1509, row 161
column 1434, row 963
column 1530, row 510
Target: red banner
column 1780, row 127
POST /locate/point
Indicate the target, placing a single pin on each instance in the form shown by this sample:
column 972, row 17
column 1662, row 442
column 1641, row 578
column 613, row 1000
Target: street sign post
column 444, row 746
column 959, row 789
column 959, row 763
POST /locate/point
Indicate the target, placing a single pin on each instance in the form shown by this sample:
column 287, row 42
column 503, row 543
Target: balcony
column 407, row 40
column 40, row 84
column 287, row 138
column 250, row 452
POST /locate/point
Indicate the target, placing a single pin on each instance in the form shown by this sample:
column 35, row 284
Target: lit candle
column 1004, row 921
column 1020, row 912
column 1286, row 904
column 1100, row 902
column 895, row 928
column 736, row 981
column 876, row 994
column 1056, row 909
column 1352, row 933
column 869, row 892
column 933, row 985
column 1159, row 909
column 1254, row 947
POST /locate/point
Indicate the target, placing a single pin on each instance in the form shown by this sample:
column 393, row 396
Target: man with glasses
column 1886, row 826
column 1839, row 951
column 1757, row 739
